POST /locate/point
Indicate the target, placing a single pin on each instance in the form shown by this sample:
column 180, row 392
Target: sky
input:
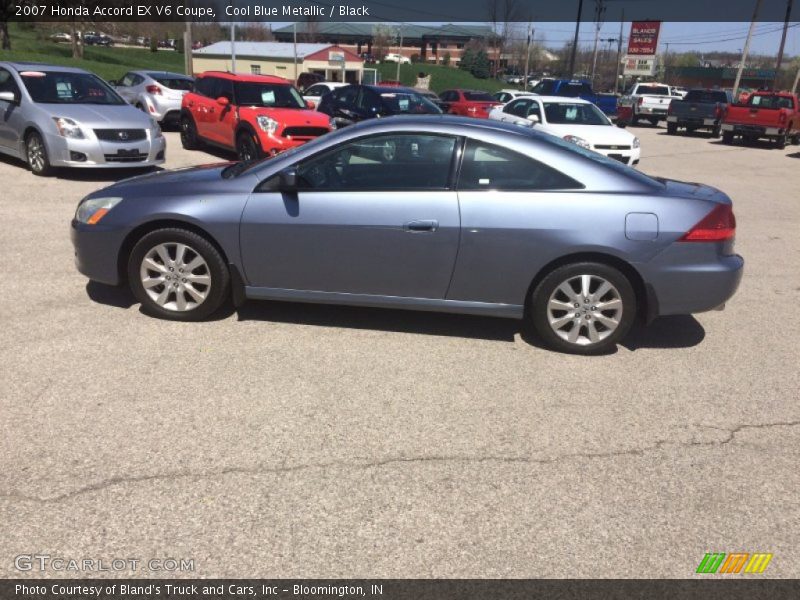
column 684, row 37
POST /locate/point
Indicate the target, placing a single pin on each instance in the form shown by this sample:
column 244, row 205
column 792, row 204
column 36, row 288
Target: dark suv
column 353, row 103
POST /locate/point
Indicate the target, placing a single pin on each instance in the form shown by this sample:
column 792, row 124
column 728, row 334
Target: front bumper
column 626, row 157
column 275, row 144
column 96, row 251
column 93, row 153
column 692, row 277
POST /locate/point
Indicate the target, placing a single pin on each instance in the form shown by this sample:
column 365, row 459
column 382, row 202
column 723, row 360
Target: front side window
column 271, row 95
column 61, row 87
column 391, row 162
column 7, row 83
column 488, row 167
column 566, row 113
column 518, row 108
column 316, row 90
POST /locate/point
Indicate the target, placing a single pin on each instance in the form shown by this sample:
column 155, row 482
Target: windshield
column 57, row 87
column 272, row 95
column 653, row 90
column 404, row 103
column 183, row 84
column 706, row 96
column 478, row 97
column 566, row 113
column 604, row 160
column 544, row 88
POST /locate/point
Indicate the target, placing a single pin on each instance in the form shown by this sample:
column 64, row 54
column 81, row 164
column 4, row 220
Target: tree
column 382, row 37
column 446, row 59
column 467, row 61
column 6, row 7
column 481, row 67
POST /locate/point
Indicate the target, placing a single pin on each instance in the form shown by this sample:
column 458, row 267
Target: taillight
column 669, row 110
column 717, row 111
column 153, row 89
column 717, row 226
column 782, row 118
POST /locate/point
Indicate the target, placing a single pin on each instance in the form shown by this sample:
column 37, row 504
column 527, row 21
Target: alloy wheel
column 584, row 309
column 175, row 276
column 36, row 155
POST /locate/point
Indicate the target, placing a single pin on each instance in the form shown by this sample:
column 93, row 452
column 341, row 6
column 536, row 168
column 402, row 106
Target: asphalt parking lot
column 287, row 440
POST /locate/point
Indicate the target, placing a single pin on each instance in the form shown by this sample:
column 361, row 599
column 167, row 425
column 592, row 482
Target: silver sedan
column 64, row 117
column 158, row 93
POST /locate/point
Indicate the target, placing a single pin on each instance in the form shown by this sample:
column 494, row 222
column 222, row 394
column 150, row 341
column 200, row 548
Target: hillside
column 108, row 63
column 442, row 78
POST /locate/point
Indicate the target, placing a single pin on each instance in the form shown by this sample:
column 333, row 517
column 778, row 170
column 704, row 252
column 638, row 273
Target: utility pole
column 599, row 9
column 619, row 52
column 527, row 58
column 783, row 43
column 187, row 49
column 745, row 51
column 400, row 52
column 666, row 56
column 796, row 79
column 294, row 35
column 575, row 42
column 233, row 44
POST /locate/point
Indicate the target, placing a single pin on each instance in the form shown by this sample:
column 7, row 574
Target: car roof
column 392, row 89
column 30, row 66
column 457, row 123
column 162, row 73
column 244, row 77
column 561, row 99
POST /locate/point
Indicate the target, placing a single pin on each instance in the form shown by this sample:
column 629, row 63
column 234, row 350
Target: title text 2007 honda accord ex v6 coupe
column 434, row 213
column 64, row 117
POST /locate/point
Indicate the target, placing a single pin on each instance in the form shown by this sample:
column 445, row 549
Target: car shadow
column 85, row 174
column 680, row 331
column 794, row 155
column 706, row 135
column 757, row 145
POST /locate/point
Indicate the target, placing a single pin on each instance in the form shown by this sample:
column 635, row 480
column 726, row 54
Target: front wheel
column 716, row 131
column 36, row 154
column 247, row 148
column 583, row 308
column 781, row 141
column 189, row 138
column 178, row 275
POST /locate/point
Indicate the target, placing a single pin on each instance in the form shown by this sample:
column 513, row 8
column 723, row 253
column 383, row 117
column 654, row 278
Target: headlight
column 577, row 140
column 156, row 129
column 267, row 124
column 635, row 142
column 332, row 124
column 68, row 128
column 92, row 210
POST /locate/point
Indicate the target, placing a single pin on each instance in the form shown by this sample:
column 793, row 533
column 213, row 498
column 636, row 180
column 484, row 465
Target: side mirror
column 223, row 101
column 9, row 97
column 534, row 119
column 287, row 180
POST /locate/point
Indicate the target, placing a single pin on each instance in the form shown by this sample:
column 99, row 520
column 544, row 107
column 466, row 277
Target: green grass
column 442, row 78
column 108, row 63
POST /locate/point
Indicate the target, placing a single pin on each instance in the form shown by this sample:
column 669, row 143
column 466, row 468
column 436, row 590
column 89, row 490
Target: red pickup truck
column 255, row 115
column 766, row 114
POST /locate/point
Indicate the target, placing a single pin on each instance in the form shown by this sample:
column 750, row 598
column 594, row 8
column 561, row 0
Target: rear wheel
column 189, row 137
column 653, row 121
column 716, row 131
column 781, row 141
column 247, row 147
column 583, row 308
column 36, row 154
column 672, row 128
column 178, row 275
column 727, row 137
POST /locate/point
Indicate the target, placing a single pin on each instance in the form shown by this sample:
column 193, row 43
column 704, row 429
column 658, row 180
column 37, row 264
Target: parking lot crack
column 730, row 437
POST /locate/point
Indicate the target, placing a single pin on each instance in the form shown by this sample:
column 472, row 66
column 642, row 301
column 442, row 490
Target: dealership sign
column 640, row 66
column 644, row 38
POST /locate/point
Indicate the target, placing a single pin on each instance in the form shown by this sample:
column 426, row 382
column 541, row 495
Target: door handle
column 428, row 226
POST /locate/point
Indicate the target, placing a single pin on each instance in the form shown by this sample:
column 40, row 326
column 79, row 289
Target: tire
column 248, row 148
column 781, row 141
column 583, row 335
column 36, row 155
column 654, row 121
column 161, row 249
column 189, row 138
column 727, row 137
column 672, row 128
column 716, row 131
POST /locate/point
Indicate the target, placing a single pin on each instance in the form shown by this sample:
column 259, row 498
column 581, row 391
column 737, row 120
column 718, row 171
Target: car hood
column 123, row 116
column 594, row 134
column 189, row 180
column 289, row 116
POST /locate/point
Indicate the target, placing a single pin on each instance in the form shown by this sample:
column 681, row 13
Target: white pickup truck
column 648, row 101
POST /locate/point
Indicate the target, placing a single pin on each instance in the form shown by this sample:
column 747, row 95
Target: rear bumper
column 693, row 121
column 686, row 279
column 758, row 130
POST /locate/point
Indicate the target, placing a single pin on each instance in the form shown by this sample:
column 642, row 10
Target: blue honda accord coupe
column 434, row 213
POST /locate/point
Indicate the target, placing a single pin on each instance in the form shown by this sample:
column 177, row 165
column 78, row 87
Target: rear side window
column 489, row 167
column 653, row 90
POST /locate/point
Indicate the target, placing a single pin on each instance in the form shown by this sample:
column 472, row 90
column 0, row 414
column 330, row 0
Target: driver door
column 375, row 215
